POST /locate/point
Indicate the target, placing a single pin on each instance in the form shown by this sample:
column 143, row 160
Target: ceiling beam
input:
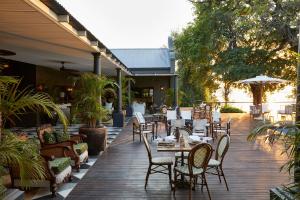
column 63, row 18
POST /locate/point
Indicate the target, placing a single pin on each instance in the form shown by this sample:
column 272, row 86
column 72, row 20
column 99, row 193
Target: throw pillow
column 62, row 136
column 49, row 138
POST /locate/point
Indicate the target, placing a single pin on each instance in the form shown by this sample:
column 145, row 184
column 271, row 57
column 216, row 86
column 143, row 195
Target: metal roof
column 144, row 58
column 60, row 10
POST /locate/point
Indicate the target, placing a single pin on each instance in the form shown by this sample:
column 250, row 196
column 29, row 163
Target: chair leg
column 140, row 137
column 175, row 181
column 191, row 187
column 147, row 176
column 202, row 183
column 170, row 174
column 206, row 186
column 219, row 176
column 222, row 173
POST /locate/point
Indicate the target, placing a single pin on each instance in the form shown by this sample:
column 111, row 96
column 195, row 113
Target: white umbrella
column 262, row 80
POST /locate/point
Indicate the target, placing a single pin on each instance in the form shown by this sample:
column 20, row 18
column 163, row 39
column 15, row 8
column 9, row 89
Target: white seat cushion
column 185, row 170
column 213, row 163
column 162, row 160
column 62, row 175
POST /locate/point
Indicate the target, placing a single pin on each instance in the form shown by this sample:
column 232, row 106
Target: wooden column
column 118, row 117
column 97, row 64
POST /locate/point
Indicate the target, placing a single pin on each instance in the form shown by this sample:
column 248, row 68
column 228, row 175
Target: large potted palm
column 88, row 108
column 15, row 102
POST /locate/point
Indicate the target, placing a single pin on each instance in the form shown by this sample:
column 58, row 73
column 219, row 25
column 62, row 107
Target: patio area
column 119, row 173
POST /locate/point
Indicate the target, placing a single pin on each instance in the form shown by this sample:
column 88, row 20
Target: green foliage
column 125, row 97
column 233, row 40
column 24, row 154
column 230, row 109
column 169, row 97
column 287, row 135
column 13, row 151
column 89, row 89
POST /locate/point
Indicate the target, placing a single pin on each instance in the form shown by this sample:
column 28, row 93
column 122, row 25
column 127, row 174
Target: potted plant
column 288, row 135
column 15, row 102
column 87, row 106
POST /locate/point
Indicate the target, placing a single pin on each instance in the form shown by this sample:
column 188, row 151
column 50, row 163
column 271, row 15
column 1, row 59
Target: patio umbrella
column 261, row 81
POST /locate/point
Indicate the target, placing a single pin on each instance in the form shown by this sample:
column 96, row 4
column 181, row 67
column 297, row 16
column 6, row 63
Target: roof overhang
column 153, row 74
column 43, row 33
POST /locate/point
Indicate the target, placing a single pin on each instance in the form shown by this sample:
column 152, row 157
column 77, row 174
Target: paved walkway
column 251, row 170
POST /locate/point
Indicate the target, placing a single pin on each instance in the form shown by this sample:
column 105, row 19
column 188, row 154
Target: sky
column 131, row 23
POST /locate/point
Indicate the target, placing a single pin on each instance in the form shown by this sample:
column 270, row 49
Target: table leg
column 156, row 127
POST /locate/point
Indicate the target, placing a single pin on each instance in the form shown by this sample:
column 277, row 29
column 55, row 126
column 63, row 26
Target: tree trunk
column 297, row 164
column 226, row 93
column 256, row 93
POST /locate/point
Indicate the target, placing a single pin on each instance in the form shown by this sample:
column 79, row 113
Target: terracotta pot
column 96, row 139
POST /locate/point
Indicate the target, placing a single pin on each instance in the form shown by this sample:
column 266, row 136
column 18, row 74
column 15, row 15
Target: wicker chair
column 77, row 148
column 57, row 170
column 222, row 129
column 197, row 163
column 141, row 126
column 158, row 164
column 217, row 163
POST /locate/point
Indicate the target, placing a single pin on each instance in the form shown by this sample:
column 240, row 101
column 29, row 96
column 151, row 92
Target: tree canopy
column 231, row 40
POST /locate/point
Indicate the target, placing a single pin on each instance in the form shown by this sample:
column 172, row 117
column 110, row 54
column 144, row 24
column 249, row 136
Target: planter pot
column 128, row 111
column 96, row 139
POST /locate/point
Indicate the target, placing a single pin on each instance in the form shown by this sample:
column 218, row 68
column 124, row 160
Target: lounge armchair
column 78, row 150
column 57, row 170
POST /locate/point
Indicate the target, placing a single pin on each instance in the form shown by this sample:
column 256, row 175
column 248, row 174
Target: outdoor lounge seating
column 198, row 160
column 140, row 126
column 158, row 164
column 217, row 163
column 77, row 149
column 57, row 170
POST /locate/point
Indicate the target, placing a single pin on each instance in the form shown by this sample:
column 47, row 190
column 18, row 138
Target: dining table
column 176, row 146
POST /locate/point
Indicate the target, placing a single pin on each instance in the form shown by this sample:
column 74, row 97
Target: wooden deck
column 251, row 170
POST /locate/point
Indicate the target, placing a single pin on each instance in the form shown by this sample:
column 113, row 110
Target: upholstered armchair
column 77, row 149
column 57, row 170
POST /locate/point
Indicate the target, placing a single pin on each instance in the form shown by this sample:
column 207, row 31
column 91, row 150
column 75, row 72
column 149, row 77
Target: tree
column 233, row 40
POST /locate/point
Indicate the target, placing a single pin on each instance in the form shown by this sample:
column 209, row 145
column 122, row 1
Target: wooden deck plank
column 120, row 172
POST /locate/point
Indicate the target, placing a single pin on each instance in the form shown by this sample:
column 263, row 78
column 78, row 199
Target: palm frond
column 24, row 155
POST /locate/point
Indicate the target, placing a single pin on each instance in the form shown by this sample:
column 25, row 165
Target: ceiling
column 34, row 33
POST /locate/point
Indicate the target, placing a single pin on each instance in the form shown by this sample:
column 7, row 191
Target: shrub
column 230, row 109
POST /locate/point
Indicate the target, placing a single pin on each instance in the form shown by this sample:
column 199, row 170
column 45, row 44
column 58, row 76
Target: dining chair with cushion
column 198, row 159
column 223, row 129
column 217, row 163
column 141, row 126
column 162, row 165
column 200, row 127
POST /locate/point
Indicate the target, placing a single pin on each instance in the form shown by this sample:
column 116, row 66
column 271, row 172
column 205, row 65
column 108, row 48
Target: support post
column 129, row 108
column 118, row 117
column 97, row 71
column 97, row 65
